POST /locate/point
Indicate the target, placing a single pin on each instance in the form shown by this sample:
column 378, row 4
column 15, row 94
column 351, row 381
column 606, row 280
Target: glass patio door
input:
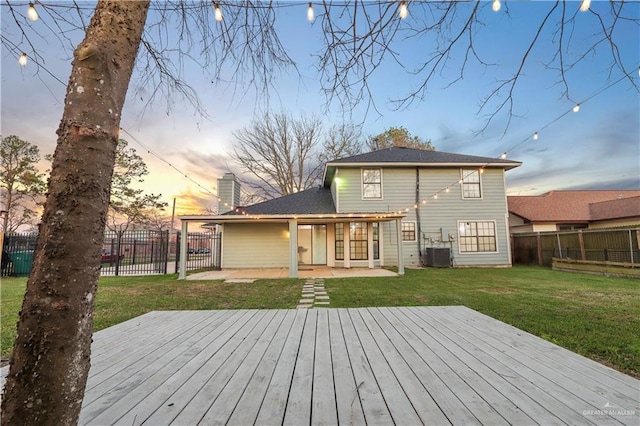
column 312, row 244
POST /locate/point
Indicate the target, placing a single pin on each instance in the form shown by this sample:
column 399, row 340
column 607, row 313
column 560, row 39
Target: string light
column 576, row 108
column 585, row 5
column 535, row 136
column 32, row 13
column 504, row 155
column 496, row 5
column 22, row 60
column 218, row 12
column 310, row 15
column 403, row 11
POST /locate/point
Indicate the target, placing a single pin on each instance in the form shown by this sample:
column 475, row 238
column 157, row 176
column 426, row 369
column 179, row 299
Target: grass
column 592, row 315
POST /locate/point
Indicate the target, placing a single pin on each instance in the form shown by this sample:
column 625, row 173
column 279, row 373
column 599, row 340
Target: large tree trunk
column 50, row 361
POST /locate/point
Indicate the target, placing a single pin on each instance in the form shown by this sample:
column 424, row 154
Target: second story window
column 471, row 183
column 371, row 183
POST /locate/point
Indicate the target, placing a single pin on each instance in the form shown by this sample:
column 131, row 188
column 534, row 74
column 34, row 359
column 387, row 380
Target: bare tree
column 21, row 184
column 279, row 153
column 51, row 354
column 360, row 36
column 342, row 140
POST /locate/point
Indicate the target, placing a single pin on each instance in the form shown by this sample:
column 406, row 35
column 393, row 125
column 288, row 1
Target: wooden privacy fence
column 599, row 245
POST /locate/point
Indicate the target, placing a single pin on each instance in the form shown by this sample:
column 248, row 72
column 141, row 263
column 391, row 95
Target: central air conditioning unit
column 437, row 257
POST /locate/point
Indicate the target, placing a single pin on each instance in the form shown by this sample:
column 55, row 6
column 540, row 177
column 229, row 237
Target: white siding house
column 428, row 200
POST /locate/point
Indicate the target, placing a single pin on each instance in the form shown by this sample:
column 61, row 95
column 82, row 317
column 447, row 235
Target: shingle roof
column 410, row 155
column 569, row 206
column 309, row 201
column 615, row 209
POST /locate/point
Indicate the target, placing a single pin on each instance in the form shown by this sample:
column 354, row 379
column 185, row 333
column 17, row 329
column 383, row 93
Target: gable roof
column 410, row 157
column 309, row 201
column 572, row 206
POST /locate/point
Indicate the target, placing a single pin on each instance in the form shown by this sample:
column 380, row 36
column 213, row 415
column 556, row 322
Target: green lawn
column 595, row 316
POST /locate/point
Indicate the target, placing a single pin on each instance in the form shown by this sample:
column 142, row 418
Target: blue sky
column 596, row 148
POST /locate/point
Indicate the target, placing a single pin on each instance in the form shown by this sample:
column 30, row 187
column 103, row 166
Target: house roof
column 410, row 157
column 615, row 209
column 574, row 206
column 309, row 201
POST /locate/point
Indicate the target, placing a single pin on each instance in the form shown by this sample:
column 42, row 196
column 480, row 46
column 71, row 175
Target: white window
column 408, row 231
column 477, row 237
column 371, row 183
column 471, row 187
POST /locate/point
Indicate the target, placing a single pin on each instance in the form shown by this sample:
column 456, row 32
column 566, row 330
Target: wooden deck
column 404, row 366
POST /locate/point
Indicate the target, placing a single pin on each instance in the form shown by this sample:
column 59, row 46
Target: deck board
column 413, row 365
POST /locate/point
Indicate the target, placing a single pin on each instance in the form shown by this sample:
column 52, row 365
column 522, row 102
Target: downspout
column 417, row 209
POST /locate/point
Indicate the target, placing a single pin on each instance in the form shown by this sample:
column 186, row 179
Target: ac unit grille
column 437, row 257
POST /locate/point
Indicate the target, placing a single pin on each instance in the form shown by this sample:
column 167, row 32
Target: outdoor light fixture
column 218, row 12
column 403, row 12
column 496, row 5
column 32, row 13
column 535, row 136
column 585, row 5
column 576, row 108
column 310, row 15
column 22, row 60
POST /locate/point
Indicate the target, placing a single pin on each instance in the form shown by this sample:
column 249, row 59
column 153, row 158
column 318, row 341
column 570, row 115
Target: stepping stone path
column 314, row 294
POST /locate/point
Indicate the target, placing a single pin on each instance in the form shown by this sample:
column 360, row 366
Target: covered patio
column 408, row 366
column 292, row 223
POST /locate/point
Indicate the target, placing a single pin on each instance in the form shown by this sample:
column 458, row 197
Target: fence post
column 559, row 245
column 177, row 259
column 631, row 245
column 539, row 249
column 583, row 254
column 119, row 241
column 133, row 257
column 165, row 247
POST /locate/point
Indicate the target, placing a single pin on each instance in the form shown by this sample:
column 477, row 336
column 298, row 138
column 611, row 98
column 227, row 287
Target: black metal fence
column 611, row 245
column 204, row 251
column 17, row 254
column 144, row 252
column 135, row 253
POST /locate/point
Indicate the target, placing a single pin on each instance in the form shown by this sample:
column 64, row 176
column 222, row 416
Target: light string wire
column 434, row 195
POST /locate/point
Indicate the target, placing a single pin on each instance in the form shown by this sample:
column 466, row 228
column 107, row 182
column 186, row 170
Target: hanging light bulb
column 310, row 15
column 496, row 5
column 22, row 60
column 32, row 13
column 435, row 196
column 447, row 190
column 535, row 136
column 481, row 170
column 218, row 12
column 585, row 5
column 504, row 155
column 576, row 108
column 403, row 11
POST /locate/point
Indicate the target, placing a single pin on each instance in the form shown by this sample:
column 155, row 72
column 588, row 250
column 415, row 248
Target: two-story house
column 392, row 207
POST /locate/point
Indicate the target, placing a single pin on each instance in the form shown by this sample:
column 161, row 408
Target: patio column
column 399, row 240
column 183, row 250
column 293, row 248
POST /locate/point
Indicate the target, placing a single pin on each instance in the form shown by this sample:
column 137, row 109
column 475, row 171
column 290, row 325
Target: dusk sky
column 595, row 148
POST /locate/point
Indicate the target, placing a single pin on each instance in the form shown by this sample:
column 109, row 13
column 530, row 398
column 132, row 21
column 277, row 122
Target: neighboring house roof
column 410, row 157
column 615, row 209
column 309, row 201
column 572, row 206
